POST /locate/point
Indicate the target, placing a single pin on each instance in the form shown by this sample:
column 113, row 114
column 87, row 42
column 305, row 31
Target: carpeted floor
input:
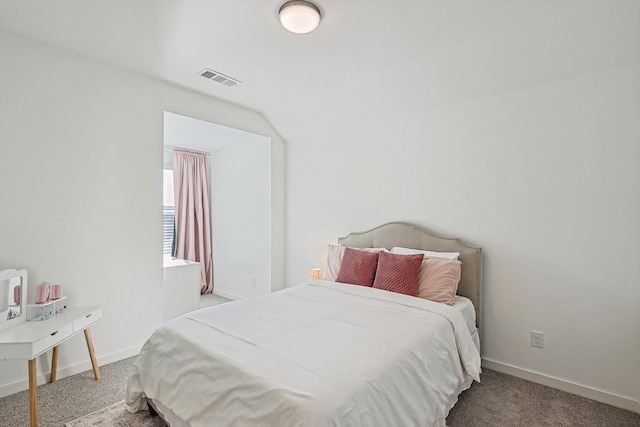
column 502, row 400
column 117, row 415
column 499, row 401
column 209, row 300
column 69, row 398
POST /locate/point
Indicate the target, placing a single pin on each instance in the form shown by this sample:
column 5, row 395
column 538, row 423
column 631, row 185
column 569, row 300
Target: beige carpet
column 117, row 416
column 499, row 401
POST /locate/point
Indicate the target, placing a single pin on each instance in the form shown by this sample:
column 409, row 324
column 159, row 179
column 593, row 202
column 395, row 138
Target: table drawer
column 52, row 339
column 87, row 320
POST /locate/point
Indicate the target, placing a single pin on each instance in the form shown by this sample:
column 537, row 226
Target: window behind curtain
column 168, row 213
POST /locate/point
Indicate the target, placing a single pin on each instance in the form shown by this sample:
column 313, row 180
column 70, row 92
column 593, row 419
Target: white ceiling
column 369, row 60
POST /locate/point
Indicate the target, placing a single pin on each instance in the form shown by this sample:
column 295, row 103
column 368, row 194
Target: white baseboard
column 564, row 385
column 226, row 294
column 21, row 385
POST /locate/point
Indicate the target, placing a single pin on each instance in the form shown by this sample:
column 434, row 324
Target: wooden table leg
column 92, row 354
column 54, row 365
column 33, row 394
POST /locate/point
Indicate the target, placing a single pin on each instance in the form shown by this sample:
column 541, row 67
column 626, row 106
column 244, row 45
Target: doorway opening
column 240, row 197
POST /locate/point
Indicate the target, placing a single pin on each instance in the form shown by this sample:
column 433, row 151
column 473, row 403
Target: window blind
column 168, row 227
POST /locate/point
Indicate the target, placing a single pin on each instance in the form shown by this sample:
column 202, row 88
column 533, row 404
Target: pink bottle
column 56, row 291
column 42, row 292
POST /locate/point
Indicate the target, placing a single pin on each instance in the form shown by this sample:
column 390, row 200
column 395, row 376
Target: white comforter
column 318, row 354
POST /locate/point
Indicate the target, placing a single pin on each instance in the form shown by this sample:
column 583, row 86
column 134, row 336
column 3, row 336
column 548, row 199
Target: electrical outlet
column 537, row 339
column 253, row 281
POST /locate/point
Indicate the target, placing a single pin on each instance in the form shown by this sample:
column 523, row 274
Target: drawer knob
column 54, row 333
column 88, row 315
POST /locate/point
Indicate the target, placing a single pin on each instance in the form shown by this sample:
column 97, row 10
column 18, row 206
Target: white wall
column 81, row 186
column 241, row 201
column 545, row 179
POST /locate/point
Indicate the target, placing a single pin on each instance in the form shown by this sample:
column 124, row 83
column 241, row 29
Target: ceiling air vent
column 219, row 77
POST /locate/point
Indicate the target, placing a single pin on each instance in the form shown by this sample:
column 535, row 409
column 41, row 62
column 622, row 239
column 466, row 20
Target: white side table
column 28, row 340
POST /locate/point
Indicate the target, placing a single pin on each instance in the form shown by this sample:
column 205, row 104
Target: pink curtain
column 193, row 224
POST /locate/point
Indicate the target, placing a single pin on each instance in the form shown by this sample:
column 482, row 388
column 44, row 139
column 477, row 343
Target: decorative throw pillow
column 408, row 251
column 358, row 267
column 398, row 273
column 439, row 279
column 334, row 260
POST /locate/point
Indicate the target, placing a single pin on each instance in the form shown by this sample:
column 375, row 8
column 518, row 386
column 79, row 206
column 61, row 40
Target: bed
column 322, row 353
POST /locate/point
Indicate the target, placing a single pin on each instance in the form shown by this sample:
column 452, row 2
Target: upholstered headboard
column 416, row 237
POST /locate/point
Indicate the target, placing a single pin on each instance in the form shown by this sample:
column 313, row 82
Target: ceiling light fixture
column 299, row 16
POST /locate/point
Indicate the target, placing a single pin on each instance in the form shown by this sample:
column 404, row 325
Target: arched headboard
column 416, row 237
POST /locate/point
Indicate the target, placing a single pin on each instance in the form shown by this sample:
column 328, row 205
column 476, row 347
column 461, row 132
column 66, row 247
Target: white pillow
column 408, row 251
column 334, row 260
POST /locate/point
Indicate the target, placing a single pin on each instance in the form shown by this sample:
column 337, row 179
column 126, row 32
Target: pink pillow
column 398, row 273
column 334, row 260
column 358, row 267
column 439, row 279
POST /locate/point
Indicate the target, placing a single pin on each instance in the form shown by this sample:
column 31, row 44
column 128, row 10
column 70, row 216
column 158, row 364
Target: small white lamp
column 315, row 274
column 299, row 16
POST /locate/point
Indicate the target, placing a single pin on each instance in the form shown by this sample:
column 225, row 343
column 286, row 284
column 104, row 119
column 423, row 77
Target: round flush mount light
column 299, row 16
